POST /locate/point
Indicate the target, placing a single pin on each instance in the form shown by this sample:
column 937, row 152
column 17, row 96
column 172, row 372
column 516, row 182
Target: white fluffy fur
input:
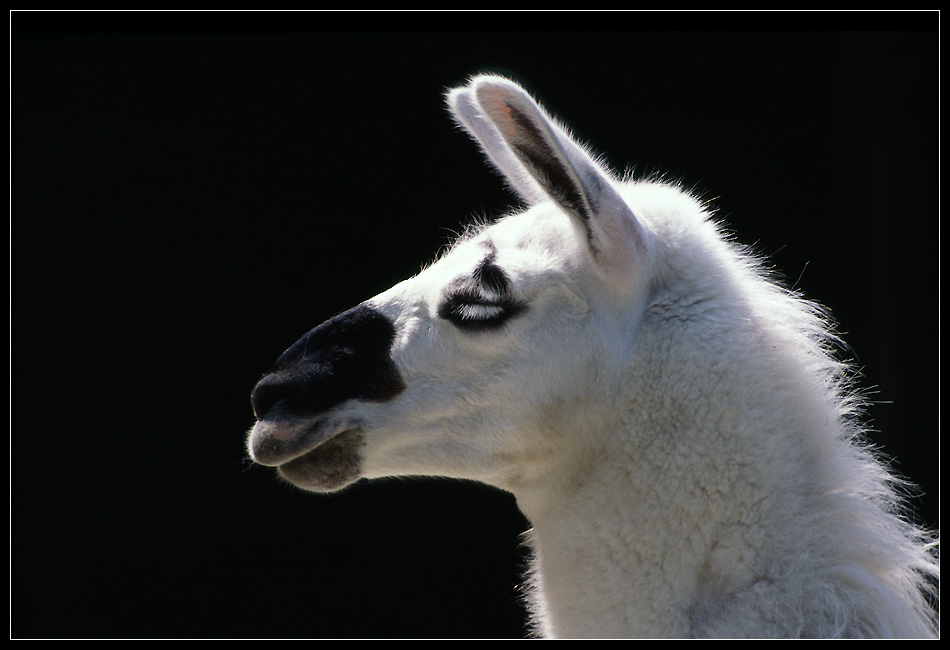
column 670, row 420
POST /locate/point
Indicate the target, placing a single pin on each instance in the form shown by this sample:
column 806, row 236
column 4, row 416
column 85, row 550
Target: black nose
column 347, row 357
column 270, row 390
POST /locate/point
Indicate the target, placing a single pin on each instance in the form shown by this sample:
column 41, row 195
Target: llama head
column 610, row 344
column 492, row 362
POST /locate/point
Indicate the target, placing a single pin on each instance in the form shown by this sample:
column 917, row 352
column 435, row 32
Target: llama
column 670, row 420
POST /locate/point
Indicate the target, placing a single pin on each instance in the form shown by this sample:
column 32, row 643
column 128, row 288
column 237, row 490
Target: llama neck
column 725, row 502
column 662, row 518
column 610, row 566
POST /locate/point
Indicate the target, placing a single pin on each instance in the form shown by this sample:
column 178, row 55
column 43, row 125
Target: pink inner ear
column 496, row 102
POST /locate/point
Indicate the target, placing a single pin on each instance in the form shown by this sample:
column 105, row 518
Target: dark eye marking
column 472, row 312
column 481, row 302
column 492, row 279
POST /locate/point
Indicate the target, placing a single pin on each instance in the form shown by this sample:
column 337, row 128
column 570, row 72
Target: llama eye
column 473, row 312
column 477, row 311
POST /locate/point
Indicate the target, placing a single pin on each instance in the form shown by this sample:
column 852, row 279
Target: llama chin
column 672, row 421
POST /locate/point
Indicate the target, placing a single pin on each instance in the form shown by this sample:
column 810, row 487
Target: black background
column 185, row 204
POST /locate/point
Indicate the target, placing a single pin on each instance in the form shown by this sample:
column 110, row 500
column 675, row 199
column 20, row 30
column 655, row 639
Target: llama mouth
column 278, row 442
column 332, row 465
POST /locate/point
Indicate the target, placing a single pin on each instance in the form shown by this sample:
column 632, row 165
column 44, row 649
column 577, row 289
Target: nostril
column 267, row 394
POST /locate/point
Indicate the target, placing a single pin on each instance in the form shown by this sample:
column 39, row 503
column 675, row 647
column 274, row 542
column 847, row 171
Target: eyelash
column 472, row 312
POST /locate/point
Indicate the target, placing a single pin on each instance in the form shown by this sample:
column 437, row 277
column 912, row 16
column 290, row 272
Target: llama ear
column 534, row 152
column 467, row 113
